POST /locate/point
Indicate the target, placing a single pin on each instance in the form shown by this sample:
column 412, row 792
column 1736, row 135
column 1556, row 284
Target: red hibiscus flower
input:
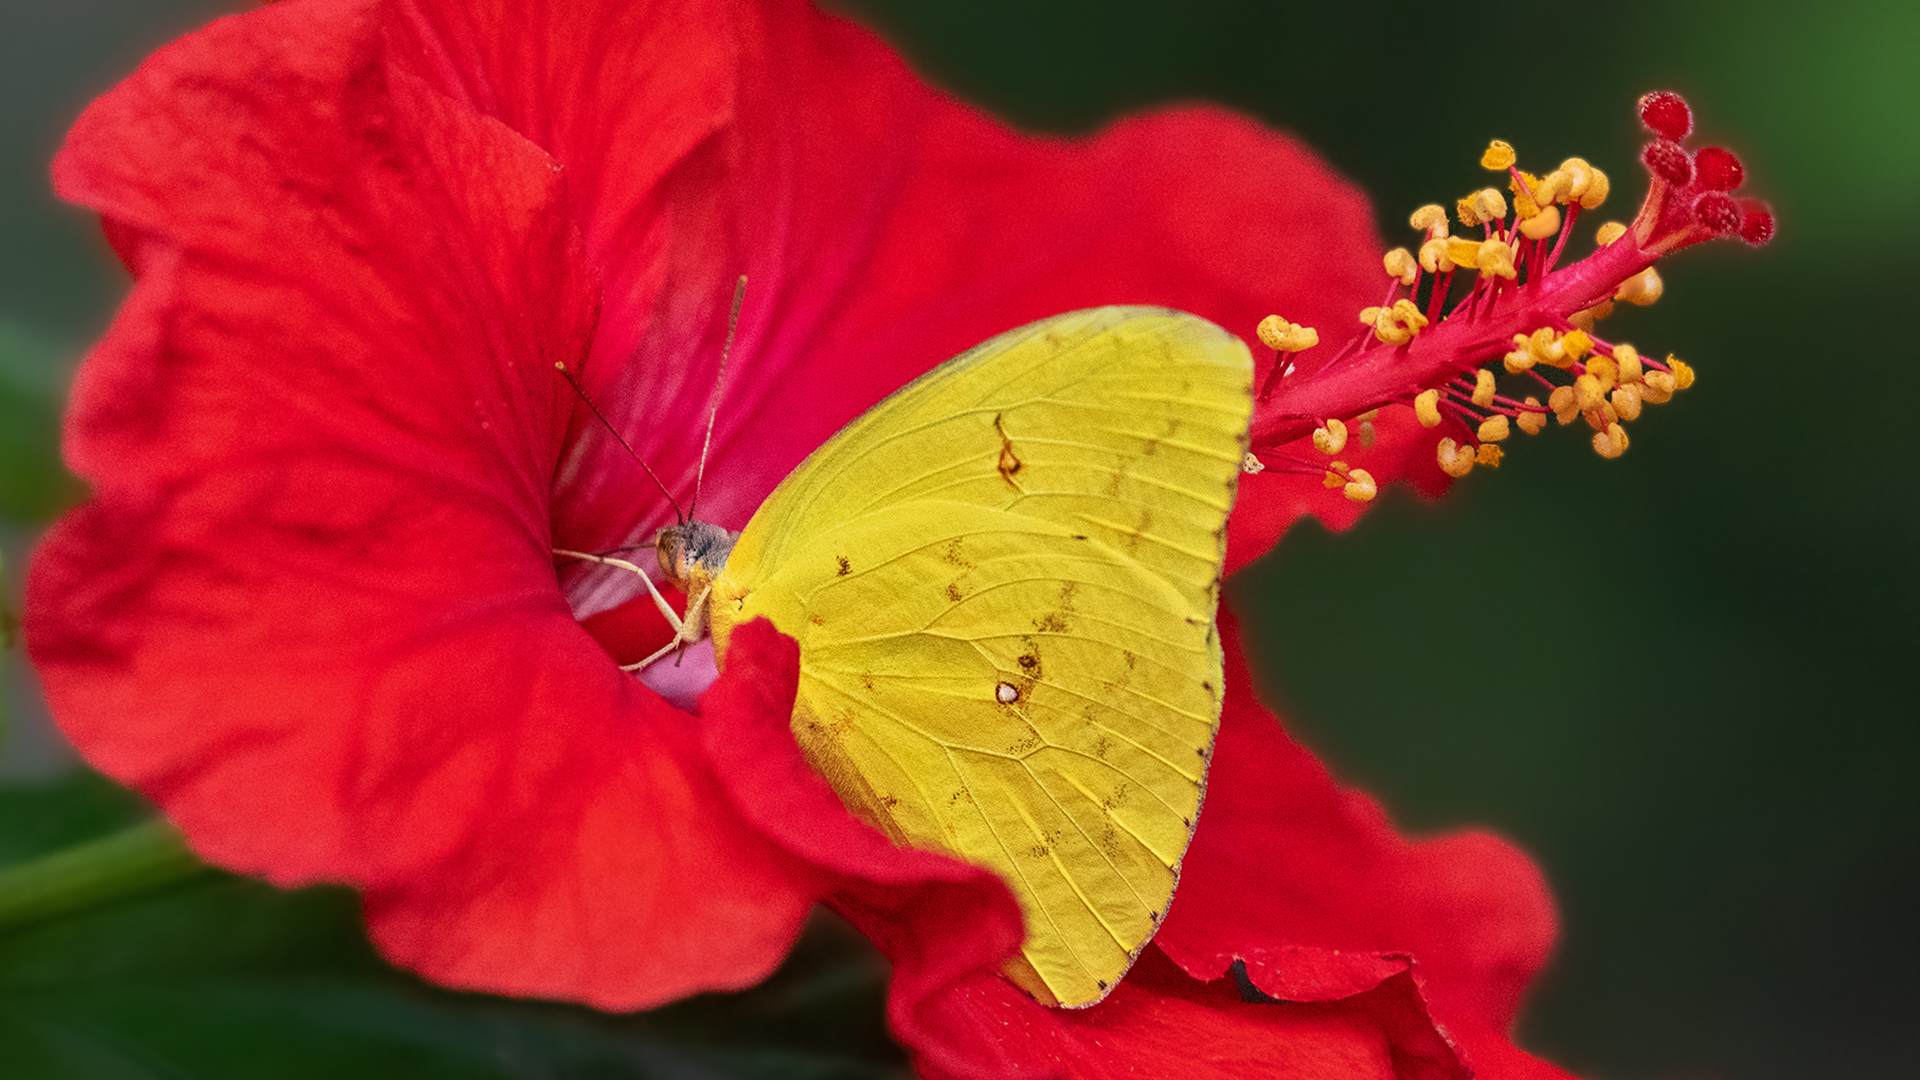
column 312, row 608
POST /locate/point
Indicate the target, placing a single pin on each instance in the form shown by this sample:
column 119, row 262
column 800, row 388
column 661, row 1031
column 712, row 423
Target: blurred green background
column 1687, row 691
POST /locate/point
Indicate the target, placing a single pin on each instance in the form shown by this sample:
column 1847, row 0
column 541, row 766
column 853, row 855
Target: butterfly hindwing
column 1003, row 582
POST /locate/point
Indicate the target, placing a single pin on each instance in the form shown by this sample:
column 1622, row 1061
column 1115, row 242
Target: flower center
column 1482, row 330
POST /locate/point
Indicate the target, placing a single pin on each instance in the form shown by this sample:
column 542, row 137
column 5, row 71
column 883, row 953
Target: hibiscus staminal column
column 1519, row 346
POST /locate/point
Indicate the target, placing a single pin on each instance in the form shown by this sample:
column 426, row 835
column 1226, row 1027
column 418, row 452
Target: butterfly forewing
column 1003, row 582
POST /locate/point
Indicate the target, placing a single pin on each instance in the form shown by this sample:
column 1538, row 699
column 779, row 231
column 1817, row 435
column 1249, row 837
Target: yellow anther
column 1606, row 371
column 1463, row 209
column 1599, row 418
column 1497, row 258
column 1336, row 476
column 1626, row 401
column 1627, row 358
column 1579, row 176
column 1426, row 407
column 1499, row 155
column 1609, row 232
column 1610, row 443
column 1252, row 465
column 1489, row 204
column 1391, row 333
column 1530, row 421
column 1398, row 324
column 1433, row 256
column 1430, row 217
column 1464, row 252
column 1370, row 315
column 1401, row 264
column 1360, row 486
column 1586, row 393
column 1541, row 225
column 1279, row 334
column 1455, row 460
column 1642, row 288
column 1562, row 402
column 1521, row 358
column 1596, row 192
column 1526, row 194
column 1577, row 344
column 1547, row 348
column 1586, row 317
column 1330, row 438
column 1493, row 429
column 1657, row 388
column 1682, row 372
column 1488, row 455
column 1370, row 414
column 1483, row 388
column 1552, row 188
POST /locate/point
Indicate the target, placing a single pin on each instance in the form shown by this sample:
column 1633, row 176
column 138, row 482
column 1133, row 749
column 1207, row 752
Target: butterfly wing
column 1003, row 581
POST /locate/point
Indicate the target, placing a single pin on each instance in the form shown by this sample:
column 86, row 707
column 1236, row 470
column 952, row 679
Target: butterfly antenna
column 617, row 437
column 713, row 406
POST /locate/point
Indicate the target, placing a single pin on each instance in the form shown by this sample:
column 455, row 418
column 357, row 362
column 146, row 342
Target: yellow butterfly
column 1003, row 581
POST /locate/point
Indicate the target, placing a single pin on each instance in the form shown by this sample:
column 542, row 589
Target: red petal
column 312, row 611
column 1310, row 886
column 1160, row 1022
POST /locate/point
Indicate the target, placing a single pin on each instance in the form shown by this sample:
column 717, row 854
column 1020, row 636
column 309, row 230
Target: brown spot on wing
column 1053, row 622
column 1009, row 463
column 953, row 592
column 846, row 565
column 1029, row 661
column 951, row 552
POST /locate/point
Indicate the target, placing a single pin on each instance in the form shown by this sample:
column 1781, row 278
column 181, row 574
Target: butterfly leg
column 676, row 643
column 696, row 620
column 673, row 620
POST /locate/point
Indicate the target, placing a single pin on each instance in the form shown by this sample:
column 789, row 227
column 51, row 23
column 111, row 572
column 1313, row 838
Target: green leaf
column 216, row 976
column 34, row 487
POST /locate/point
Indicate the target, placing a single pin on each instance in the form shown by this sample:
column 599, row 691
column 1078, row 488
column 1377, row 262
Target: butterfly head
column 693, row 553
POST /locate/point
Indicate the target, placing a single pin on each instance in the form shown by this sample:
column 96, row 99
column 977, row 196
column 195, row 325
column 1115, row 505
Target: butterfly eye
column 1006, row 693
